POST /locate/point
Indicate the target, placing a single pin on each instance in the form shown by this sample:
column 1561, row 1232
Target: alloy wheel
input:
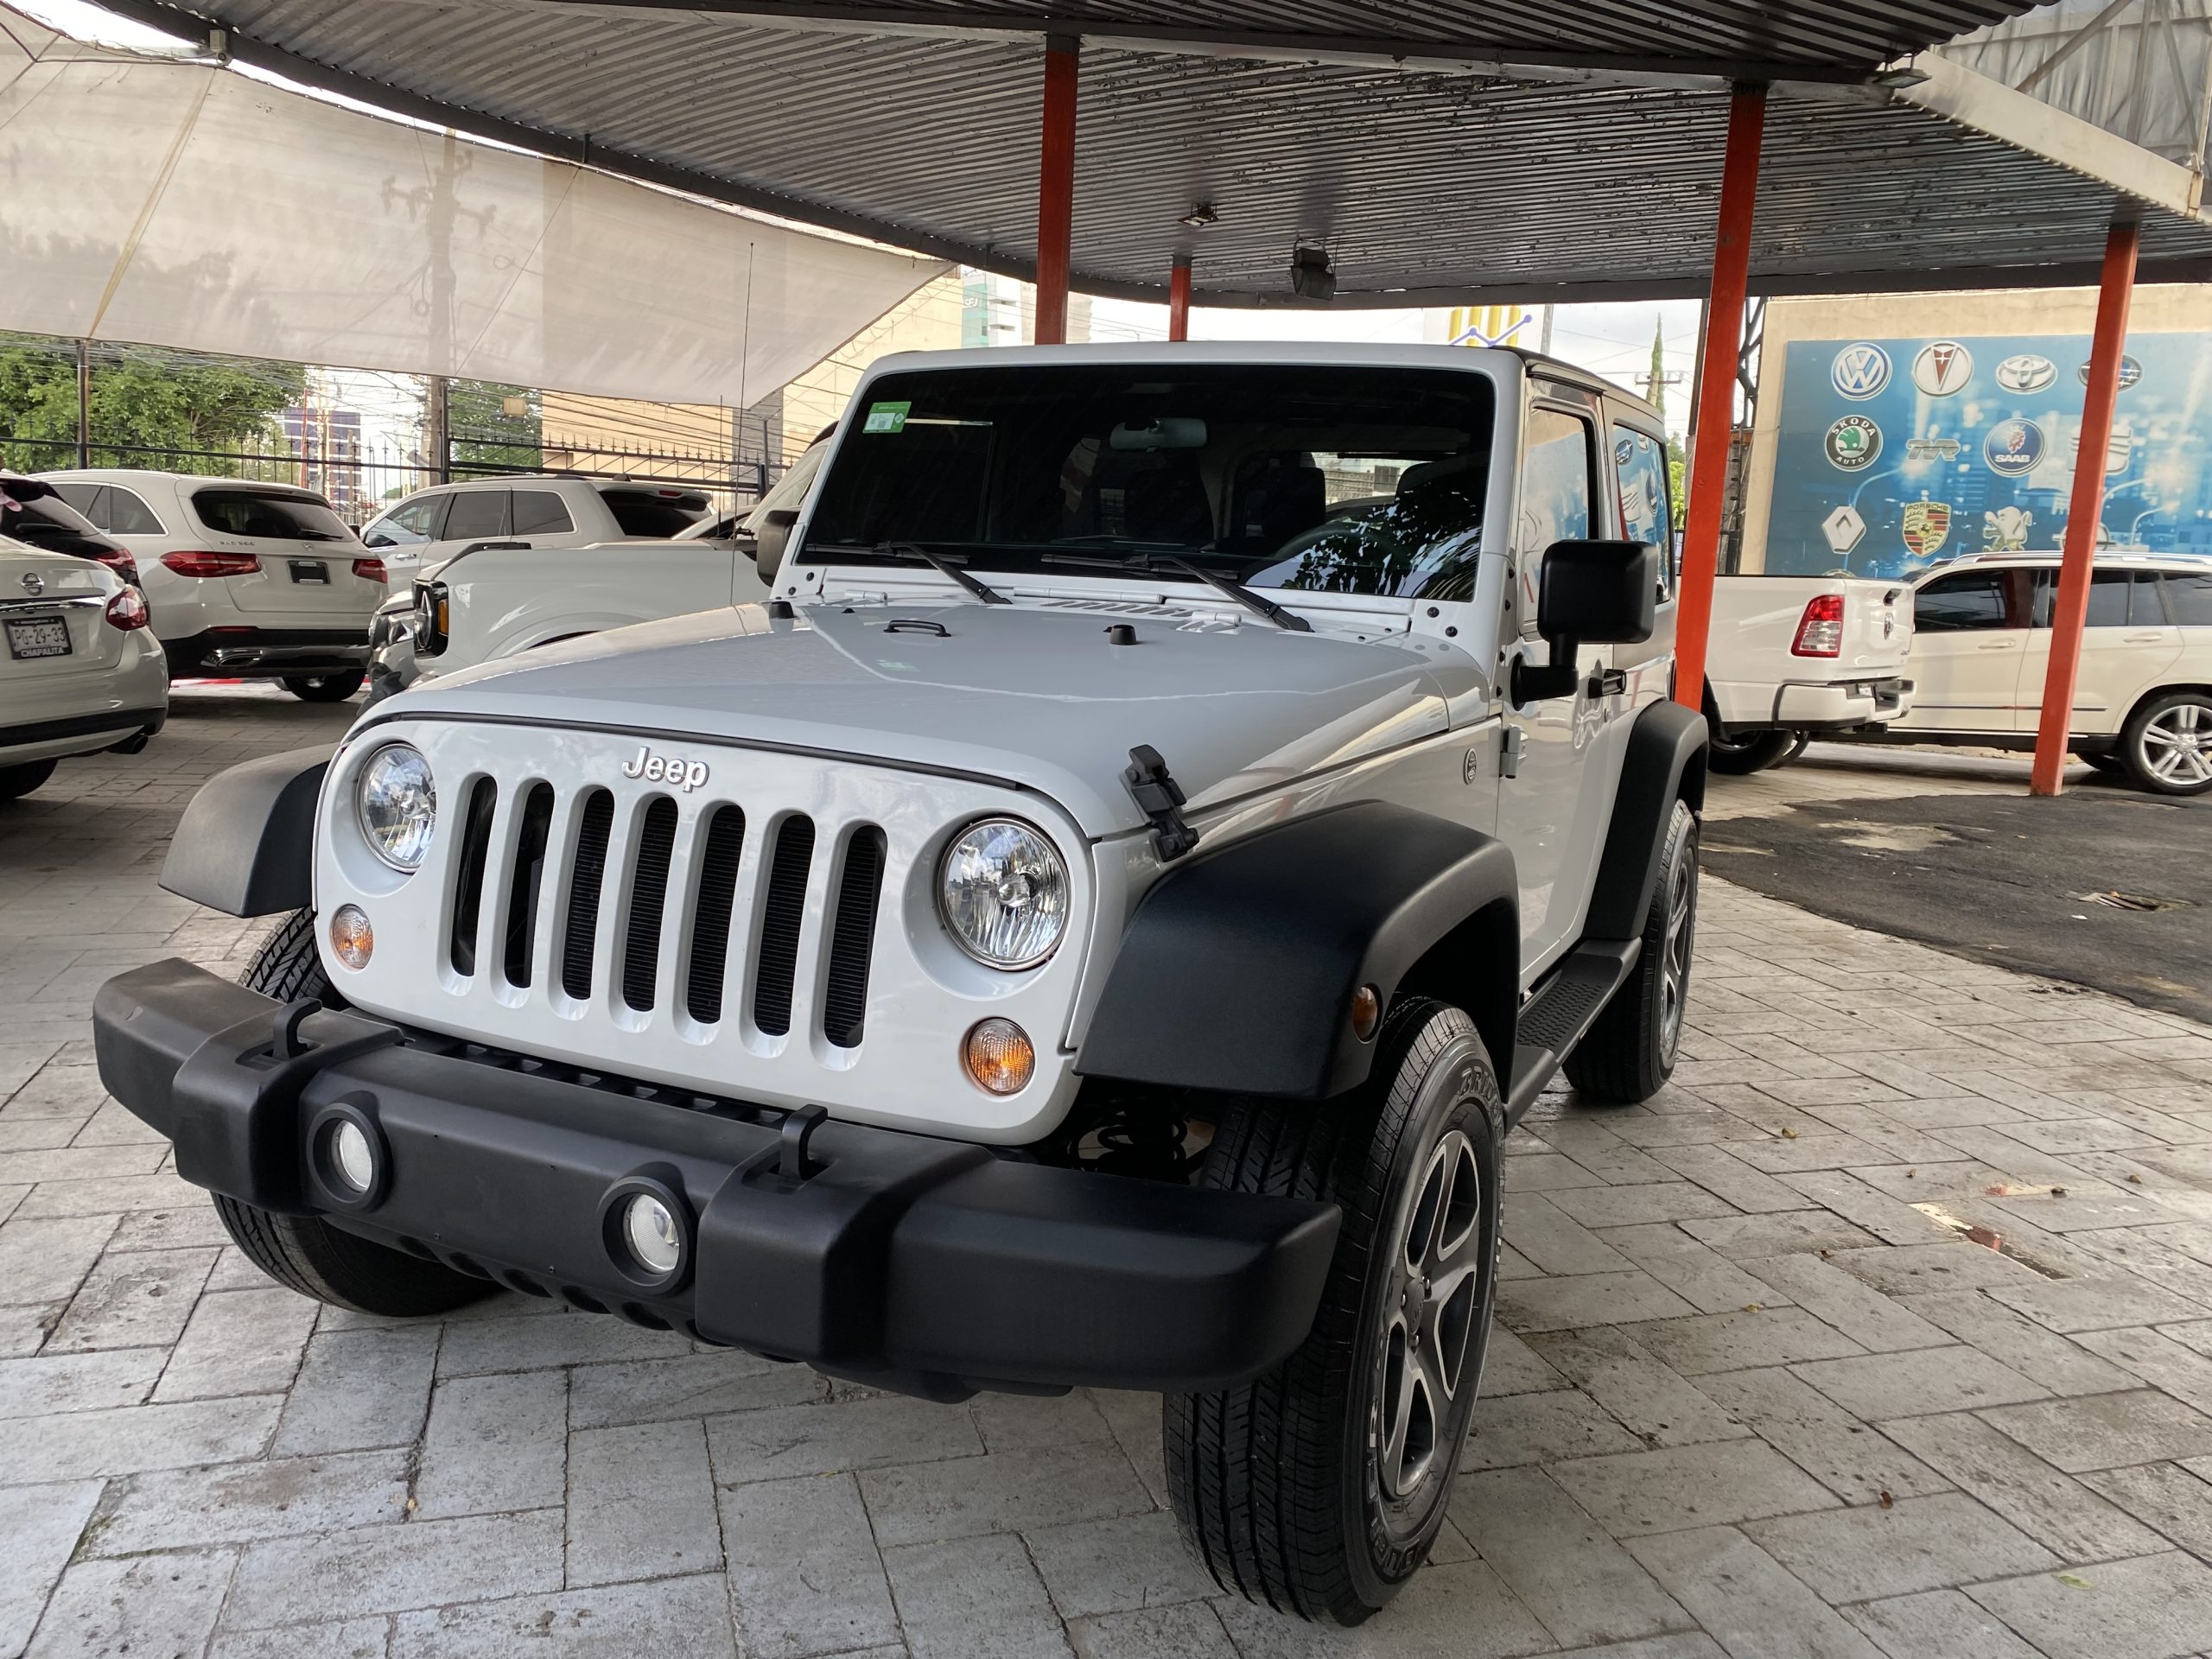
column 1676, row 947
column 1433, row 1290
column 2177, row 745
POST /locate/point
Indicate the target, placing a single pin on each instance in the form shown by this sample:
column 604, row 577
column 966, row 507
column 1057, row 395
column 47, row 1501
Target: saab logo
column 1942, row 368
column 2005, row 531
column 2026, row 372
column 1860, row 369
column 1852, row 442
column 656, row 769
column 1927, row 526
column 2130, row 372
column 2014, row 447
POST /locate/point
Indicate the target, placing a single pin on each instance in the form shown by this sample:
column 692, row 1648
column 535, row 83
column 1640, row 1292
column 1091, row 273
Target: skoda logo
column 1860, row 369
column 1852, row 442
column 34, row 582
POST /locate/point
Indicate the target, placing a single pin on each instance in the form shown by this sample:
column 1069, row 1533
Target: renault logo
column 33, row 583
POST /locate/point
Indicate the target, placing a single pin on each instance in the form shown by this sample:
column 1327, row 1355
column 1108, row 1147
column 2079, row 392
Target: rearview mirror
column 1592, row 593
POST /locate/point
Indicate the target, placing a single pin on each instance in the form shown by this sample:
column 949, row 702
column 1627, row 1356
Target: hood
column 1032, row 694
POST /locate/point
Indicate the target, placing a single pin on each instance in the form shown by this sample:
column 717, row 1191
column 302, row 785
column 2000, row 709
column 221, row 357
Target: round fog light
column 649, row 1227
column 999, row 1057
column 350, row 1157
column 352, row 939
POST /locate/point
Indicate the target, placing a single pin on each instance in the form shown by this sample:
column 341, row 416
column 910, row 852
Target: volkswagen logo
column 33, row 583
column 1860, row 369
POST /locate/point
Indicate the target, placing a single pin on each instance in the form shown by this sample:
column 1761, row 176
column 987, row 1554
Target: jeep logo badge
column 659, row 769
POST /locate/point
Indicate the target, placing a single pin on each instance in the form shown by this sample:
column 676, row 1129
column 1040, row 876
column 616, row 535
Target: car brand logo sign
column 1931, row 449
column 2014, row 447
column 1843, row 528
column 1852, row 442
column 1860, row 369
column 2026, row 372
column 33, row 583
column 2120, row 449
column 1942, row 368
column 2005, row 531
column 2130, row 372
column 687, row 775
column 1927, row 526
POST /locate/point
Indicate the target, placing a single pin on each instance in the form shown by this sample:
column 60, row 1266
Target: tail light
column 1820, row 631
column 119, row 562
column 127, row 610
column 370, row 570
column 212, row 564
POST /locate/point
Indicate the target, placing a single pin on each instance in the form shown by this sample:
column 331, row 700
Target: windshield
column 1347, row 480
column 275, row 514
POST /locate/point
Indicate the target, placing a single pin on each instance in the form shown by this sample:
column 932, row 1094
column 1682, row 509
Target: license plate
column 312, row 570
column 40, row 636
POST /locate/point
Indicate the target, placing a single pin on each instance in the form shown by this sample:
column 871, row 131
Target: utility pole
column 83, row 403
column 437, row 431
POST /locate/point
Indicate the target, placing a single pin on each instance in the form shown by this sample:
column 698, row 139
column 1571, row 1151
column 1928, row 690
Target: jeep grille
column 643, row 866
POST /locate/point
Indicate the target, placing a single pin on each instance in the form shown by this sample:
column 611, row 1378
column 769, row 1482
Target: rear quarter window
column 539, row 512
column 2188, row 600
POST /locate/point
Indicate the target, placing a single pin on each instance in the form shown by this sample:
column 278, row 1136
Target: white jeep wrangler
column 1095, row 926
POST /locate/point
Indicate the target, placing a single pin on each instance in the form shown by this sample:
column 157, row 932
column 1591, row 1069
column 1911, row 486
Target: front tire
column 305, row 1253
column 1628, row 1052
column 325, row 688
column 1319, row 1488
column 2167, row 747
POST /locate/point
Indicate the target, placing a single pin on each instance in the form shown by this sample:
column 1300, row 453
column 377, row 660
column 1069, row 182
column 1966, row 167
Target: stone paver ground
column 1751, row 1392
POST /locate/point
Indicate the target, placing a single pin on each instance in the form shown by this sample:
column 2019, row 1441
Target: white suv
column 245, row 580
column 2143, row 700
column 1094, row 925
column 430, row 526
column 78, row 672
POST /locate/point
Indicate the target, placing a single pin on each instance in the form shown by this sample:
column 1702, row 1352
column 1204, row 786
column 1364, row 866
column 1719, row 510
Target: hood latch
column 1160, row 798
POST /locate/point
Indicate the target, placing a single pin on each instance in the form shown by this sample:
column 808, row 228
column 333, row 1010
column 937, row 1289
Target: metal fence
column 69, row 404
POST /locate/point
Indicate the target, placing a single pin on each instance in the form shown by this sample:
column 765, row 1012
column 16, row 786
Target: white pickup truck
column 1792, row 658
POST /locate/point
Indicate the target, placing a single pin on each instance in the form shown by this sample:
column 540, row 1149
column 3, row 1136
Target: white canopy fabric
column 181, row 203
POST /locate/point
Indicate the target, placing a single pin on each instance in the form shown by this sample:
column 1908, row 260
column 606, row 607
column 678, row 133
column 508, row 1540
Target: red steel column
column 1056, row 188
column 1178, row 298
column 1715, row 408
column 2084, row 513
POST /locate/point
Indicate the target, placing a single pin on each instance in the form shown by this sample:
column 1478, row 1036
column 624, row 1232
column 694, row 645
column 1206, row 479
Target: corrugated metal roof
column 1422, row 183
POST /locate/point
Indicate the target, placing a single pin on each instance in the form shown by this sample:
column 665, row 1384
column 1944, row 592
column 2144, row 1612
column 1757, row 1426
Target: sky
column 1613, row 339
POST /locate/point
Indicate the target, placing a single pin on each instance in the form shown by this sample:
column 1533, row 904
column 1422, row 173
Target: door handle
column 2142, row 638
column 1996, row 644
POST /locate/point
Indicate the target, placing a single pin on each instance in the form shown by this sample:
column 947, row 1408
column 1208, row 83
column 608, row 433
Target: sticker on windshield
column 886, row 417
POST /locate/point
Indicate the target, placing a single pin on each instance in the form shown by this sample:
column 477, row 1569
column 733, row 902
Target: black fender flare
column 246, row 845
column 1664, row 762
column 1237, row 968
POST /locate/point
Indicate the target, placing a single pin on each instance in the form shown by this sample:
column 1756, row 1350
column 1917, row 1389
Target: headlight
column 1003, row 892
column 399, row 805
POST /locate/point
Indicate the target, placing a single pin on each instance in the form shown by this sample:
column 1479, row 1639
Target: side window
column 2108, row 594
column 476, row 515
column 128, row 514
column 1970, row 599
column 412, row 522
column 2118, row 599
column 1555, row 494
column 1640, row 467
column 539, row 512
column 90, row 499
column 2188, row 600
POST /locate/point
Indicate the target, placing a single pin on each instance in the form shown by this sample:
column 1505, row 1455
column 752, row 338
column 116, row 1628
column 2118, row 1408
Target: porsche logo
column 1927, row 526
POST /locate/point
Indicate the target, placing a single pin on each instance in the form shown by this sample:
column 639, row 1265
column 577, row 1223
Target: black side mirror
column 1598, row 592
column 768, row 541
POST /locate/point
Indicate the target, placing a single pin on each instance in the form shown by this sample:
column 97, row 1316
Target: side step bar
column 1552, row 1020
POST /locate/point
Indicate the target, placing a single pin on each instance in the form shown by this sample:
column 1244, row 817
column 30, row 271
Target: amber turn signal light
column 999, row 1057
column 352, row 939
column 1366, row 1012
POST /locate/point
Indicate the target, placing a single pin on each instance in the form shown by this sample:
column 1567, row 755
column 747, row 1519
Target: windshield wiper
column 915, row 552
column 1149, row 560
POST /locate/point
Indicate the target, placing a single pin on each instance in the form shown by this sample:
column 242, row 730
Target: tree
column 488, row 432
column 144, row 398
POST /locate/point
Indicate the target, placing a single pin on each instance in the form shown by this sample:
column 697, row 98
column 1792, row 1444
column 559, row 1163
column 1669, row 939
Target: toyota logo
column 33, row 583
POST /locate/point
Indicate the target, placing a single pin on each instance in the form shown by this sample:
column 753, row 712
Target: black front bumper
column 904, row 1261
column 250, row 652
